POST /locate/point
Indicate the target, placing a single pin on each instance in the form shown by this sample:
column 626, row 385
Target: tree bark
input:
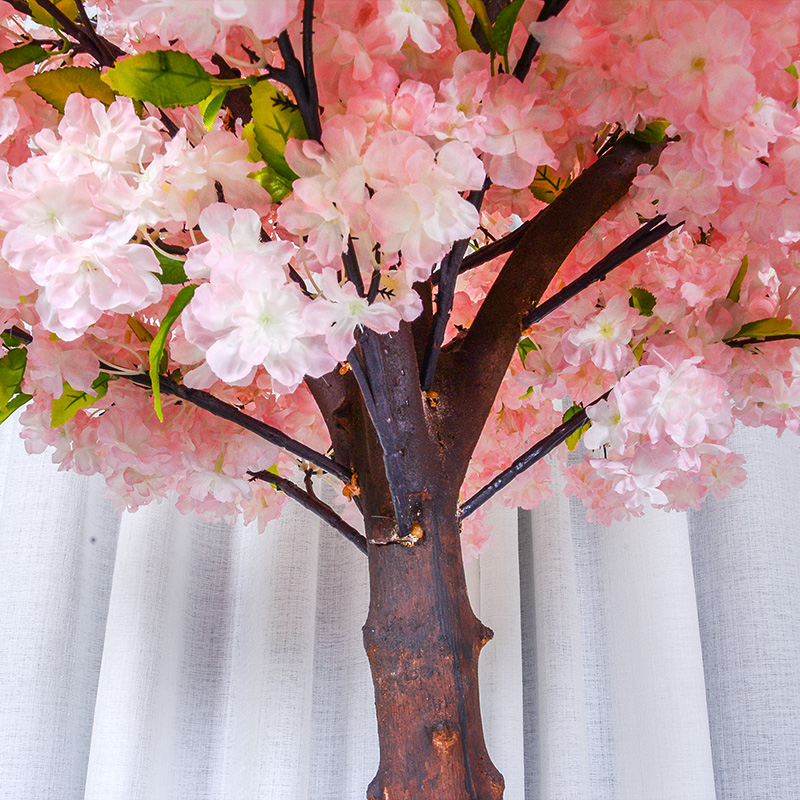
column 423, row 642
column 421, row 636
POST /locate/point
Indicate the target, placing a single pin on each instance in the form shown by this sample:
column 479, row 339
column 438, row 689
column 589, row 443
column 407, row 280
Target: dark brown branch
column 103, row 51
column 110, row 52
column 776, row 337
column 308, row 69
column 226, row 411
column 528, row 459
column 550, row 9
column 473, row 367
column 307, row 500
column 292, row 76
column 497, row 248
column 351, row 268
column 648, row 234
column 383, row 412
column 448, row 272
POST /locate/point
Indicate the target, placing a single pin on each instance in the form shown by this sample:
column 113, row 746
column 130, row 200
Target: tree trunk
column 423, row 643
column 421, row 637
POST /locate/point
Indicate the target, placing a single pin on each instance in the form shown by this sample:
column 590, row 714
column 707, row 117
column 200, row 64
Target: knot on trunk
column 444, row 737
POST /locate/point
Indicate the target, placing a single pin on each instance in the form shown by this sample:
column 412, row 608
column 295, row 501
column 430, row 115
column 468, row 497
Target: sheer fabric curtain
column 150, row 656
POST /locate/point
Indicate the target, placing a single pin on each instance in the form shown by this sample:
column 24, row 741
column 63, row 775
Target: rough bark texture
column 410, row 451
column 423, row 643
column 421, row 636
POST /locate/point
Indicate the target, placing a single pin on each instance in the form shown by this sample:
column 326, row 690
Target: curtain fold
column 152, row 656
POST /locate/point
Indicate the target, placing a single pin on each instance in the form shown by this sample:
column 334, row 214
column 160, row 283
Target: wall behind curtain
column 152, row 656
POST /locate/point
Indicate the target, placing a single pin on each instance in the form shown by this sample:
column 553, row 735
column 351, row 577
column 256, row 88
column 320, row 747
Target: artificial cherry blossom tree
column 253, row 249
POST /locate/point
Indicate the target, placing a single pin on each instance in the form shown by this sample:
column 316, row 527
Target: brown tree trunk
column 421, row 636
column 423, row 643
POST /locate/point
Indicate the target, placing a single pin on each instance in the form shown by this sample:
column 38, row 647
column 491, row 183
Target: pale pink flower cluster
column 392, row 194
column 249, row 314
column 143, row 461
column 410, row 126
column 70, row 213
column 658, row 424
column 604, row 338
column 200, row 24
column 700, row 66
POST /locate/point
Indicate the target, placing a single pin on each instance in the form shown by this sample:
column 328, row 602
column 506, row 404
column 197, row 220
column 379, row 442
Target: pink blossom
column 604, row 339
column 418, row 20
column 514, row 127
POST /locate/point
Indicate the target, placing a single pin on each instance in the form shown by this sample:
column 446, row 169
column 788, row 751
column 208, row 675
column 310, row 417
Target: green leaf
column 56, row 85
column 504, row 26
column 764, row 327
column 736, row 287
column 573, row 439
column 211, row 106
column 547, row 185
column 142, row 334
column 17, row 401
column 20, row 56
column 166, row 78
column 10, row 340
column 73, row 400
column 44, row 17
column 638, row 352
column 792, row 70
column 482, row 15
column 464, row 37
column 275, row 121
column 643, row 301
column 653, row 132
column 172, row 269
column 12, row 369
column 524, row 347
column 160, row 341
column 277, row 186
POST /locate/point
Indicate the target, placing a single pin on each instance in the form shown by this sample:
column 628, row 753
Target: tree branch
column 308, row 68
column 775, row 337
column 385, row 416
column 307, row 500
column 653, row 230
column 550, row 9
column 292, row 76
column 497, row 248
column 473, row 367
column 103, row 51
column 528, row 459
column 223, row 410
column 448, row 272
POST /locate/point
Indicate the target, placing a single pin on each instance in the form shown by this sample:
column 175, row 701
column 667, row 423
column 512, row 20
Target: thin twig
column 323, row 511
column 776, row 337
column 103, row 51
column 528, row 459
column 351, row 268
column 549, row 9
column 648, row 234
column 101, row 44
column 448, row 275
column 496, row 248
column 308, row 69
column 292, row 76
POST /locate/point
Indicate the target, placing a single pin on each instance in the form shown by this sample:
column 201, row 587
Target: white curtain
column 153, row 657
